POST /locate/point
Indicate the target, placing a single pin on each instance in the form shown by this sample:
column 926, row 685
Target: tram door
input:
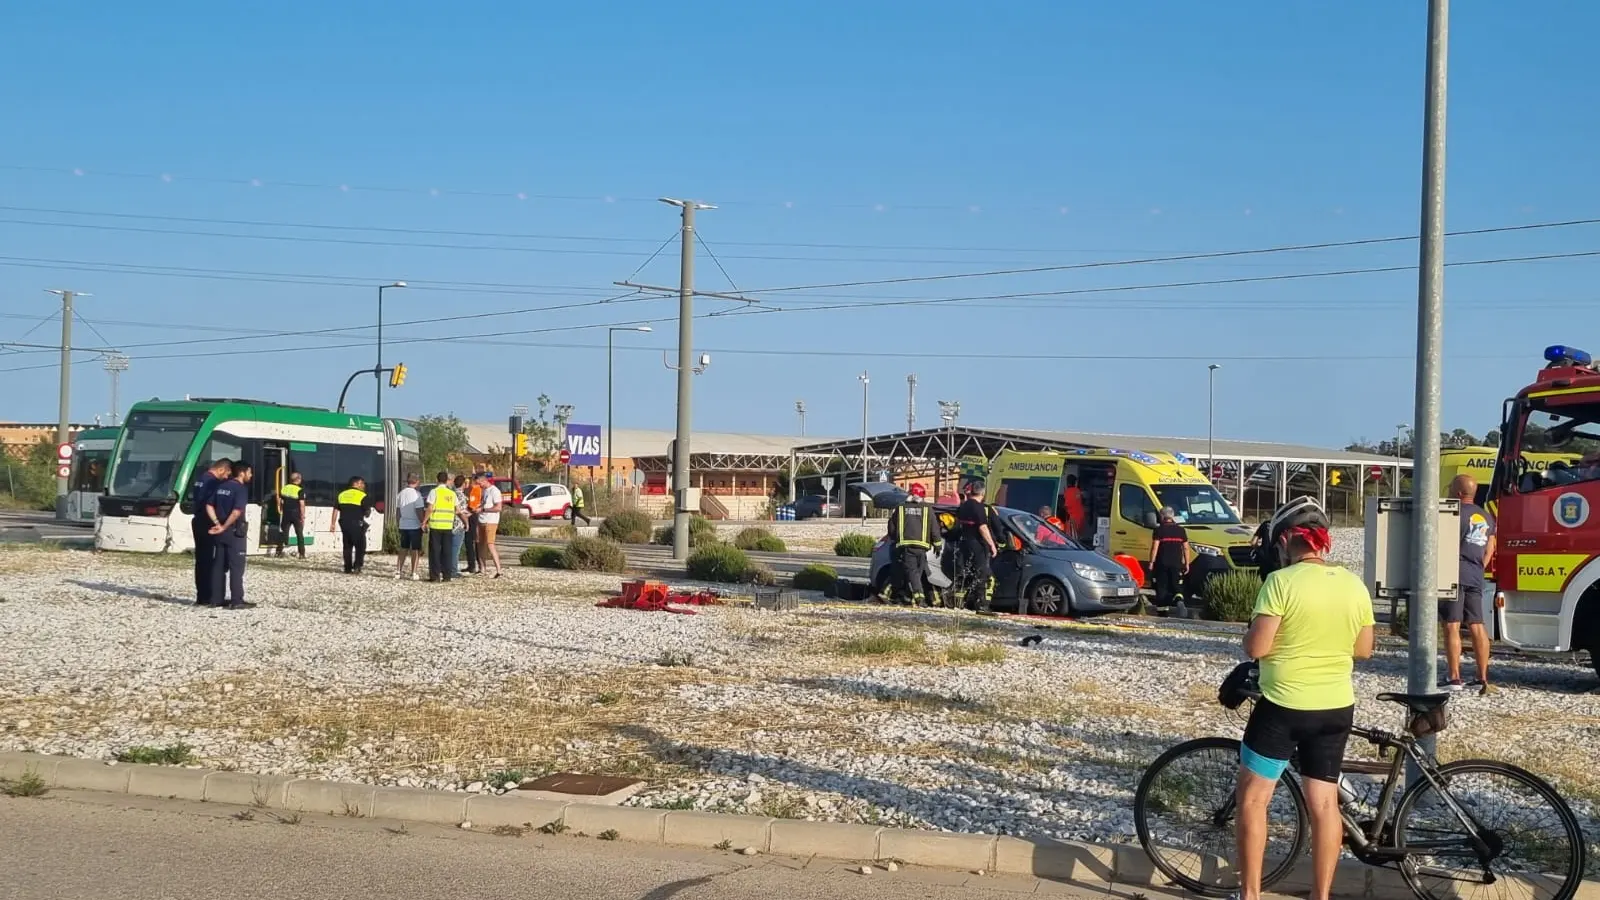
column 274, row 472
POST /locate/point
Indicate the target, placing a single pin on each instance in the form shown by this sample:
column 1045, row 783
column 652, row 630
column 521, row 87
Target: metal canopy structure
column 730, row 462
column 1271, row 468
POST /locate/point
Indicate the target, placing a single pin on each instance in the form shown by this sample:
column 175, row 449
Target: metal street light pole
column 686, row 371
column 609, row 333
column 1400, row 436
column 377, row 373
column 866, row 384
column 1211, row 414
column 116, row 364
column 800, row 407
column 948, row 411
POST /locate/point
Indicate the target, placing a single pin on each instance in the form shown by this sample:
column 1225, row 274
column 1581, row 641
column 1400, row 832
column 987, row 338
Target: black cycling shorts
column 1314, row 738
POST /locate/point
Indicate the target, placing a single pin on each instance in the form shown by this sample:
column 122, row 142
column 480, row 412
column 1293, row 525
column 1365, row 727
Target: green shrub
column 855, row 544
column 391, row 535
column 723, row 563
column 759, row 539
column 514, row 525
column 760, row 574
column 587, row 554
column 701, row 533
column 816, row 577
column 629, row 526
column 1231, row 596
column 563, row 532
column 544, row 557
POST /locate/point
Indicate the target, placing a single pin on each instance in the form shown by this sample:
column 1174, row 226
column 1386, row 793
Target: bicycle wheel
column 1183, row 812
column 1535, row 845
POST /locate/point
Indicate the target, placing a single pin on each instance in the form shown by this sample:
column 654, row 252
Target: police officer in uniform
column 292, row 513
column 354, row 506
column 231, row 532
column 911, row 536
column 200, row 527
column 977, row 550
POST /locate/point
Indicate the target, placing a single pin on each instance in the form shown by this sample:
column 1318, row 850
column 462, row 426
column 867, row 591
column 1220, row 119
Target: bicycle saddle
column 1427, row 711
column 1417, row 703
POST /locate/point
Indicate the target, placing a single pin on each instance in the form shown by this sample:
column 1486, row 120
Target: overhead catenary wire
column 929, row 301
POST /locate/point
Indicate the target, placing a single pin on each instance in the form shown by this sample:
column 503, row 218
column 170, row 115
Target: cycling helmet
column 1301, row 512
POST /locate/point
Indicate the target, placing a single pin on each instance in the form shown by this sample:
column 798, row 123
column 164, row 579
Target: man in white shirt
column 408, row 511
column 489, row 518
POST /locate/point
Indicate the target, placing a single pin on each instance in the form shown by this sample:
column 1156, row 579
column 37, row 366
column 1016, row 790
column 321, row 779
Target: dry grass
column 882, row 643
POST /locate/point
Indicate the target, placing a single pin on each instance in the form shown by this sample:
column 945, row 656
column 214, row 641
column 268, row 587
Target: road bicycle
column 1442, row 832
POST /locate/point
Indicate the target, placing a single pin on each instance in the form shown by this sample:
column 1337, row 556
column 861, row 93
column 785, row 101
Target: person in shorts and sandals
column 1477, row 552
column 1312, row 621
column 489, row 518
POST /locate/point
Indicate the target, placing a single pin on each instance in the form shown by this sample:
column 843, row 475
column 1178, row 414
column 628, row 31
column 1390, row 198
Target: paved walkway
column 85, row 846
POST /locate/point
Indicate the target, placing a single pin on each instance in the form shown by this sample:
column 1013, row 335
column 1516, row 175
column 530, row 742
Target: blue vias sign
column 583, row 442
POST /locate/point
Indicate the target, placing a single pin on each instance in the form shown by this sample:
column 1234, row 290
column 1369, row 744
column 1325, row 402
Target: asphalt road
column 82, row 846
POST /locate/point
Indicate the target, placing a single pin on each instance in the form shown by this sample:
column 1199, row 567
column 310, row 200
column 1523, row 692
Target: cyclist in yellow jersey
column 1312, row 621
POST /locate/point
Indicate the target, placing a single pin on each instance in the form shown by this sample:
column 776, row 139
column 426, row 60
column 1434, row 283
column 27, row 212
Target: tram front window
column 151, row 454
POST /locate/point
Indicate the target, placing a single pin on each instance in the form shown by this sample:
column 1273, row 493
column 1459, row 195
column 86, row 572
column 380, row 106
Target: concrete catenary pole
column 680, row 444
column 64, row 406
column 1424, row 613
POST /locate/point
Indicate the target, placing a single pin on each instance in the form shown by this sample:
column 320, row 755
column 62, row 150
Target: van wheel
column 1047, row 597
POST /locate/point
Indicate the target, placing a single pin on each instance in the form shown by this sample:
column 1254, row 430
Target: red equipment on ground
column 653, row 596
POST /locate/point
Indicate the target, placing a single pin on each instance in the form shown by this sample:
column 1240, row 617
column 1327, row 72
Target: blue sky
column 842, row 143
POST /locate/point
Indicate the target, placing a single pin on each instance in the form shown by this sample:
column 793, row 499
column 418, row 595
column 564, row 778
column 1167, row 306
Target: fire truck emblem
column 1571, row 510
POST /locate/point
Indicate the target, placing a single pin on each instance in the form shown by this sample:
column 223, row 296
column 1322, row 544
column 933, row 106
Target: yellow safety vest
column 289, row 492
column 352, row 497
column 443, row 517
column 912, row 524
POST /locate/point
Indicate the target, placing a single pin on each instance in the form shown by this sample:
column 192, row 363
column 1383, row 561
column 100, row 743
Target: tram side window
column 220, row 445
column 326, row 469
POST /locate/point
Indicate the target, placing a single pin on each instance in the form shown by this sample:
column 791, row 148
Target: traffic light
column 1333, row 477
column 397, row 376
column 522, row 446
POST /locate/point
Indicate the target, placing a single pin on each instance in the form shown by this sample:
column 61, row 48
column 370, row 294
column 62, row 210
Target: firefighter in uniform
column 911, row 537
column 976, row 551
column 354, row 506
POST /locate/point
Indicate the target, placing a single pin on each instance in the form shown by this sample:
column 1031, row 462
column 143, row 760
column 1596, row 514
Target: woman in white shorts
column 489, row 518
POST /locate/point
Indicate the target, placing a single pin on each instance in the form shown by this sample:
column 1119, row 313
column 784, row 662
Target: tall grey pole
column 64, row 409
column 377, row 373
column 610, row 333
column 1424, row 612
column 866, row 385
column 911, row 402
column 680, row 446
column 1211, row 407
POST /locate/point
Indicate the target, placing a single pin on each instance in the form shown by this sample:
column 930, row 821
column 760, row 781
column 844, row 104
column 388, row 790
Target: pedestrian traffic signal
column 522, row 445
column 1333, row 477
column 397, row 376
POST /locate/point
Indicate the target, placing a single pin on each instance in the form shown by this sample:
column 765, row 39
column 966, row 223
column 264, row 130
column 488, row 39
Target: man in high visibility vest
column 354, row 505
column 577, row 506
column 439, row 520
column 292, row 513
column 911, row 537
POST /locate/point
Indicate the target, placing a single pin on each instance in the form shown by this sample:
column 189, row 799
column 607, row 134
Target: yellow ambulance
column 1126, row 489
column 1479, row 463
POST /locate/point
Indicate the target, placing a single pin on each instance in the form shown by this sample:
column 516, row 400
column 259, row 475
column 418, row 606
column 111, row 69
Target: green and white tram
column 91, row 457
column 164, row 445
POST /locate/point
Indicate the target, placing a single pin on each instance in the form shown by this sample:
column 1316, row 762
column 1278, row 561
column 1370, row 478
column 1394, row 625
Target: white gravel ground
column 476, row 683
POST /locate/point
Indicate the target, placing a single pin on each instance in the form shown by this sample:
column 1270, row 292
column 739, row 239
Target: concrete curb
column 1045, row 858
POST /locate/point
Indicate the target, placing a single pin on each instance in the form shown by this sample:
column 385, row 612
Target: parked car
column 811, row 506
column 547, row 500
column 1040, row 571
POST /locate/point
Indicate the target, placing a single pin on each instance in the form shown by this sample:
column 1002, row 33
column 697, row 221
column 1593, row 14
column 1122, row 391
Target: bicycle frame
column 1378, row 844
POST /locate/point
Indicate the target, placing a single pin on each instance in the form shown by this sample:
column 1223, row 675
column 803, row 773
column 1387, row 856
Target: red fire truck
column 1547, row 557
